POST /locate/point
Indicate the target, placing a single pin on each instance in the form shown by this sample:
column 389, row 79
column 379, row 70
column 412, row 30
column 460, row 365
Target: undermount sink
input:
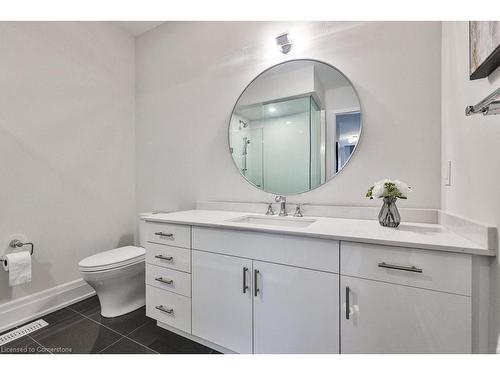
column 274, row 220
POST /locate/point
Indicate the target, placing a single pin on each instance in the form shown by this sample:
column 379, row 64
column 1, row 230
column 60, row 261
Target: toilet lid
column 119, row 257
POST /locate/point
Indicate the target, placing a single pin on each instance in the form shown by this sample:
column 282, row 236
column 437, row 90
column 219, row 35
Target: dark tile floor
column 80, row 329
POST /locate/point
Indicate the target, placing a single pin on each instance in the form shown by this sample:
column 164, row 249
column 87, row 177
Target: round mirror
column 295, row 126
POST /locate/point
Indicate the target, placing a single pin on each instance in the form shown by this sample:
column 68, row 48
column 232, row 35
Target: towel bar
column 487, row 106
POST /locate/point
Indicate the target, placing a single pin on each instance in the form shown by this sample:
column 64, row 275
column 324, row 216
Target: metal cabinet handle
column 162, row 280
column 245, row 286
column 256, row 289
column 164, row 234
column 347, row 304
column 163, row 257
column 165, row 309
column 400, row 268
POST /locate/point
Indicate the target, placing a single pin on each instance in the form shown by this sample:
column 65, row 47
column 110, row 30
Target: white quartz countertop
column 414, row 235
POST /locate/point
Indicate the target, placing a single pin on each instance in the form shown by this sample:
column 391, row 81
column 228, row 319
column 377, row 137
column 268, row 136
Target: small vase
column 389, row 214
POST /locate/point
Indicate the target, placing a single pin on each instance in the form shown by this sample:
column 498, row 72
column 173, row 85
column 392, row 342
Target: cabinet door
column 390, row 318
column 222, row 309
column 296, row 310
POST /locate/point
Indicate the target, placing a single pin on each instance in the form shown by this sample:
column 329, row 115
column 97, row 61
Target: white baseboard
column 27, row 308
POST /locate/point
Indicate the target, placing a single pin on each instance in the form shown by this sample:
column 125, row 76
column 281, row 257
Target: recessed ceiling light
column 272, row 109
column 288, row 122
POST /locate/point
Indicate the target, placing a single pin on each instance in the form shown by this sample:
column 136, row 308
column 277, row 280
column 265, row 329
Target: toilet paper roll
column 19, row 267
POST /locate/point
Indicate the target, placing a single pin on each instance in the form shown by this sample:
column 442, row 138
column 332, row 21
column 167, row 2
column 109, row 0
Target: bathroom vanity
column 247, row 283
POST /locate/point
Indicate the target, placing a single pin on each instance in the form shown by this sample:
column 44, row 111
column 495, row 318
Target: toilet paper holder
column 15, row 244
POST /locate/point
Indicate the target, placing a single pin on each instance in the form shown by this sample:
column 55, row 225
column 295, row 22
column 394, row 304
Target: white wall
column 274, row 85
column 66, row 144
column 341, row 98
column 472, row 144
column 189, row 76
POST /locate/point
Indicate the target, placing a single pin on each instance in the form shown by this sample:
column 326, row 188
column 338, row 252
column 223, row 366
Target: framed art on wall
column 484, row 48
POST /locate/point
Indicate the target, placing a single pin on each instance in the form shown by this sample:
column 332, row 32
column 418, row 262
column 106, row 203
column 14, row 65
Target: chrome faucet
column 298, row 212
column 270, row 210
column 281, row 199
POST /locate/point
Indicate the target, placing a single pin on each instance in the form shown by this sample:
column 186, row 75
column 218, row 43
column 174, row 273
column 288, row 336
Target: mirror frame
column 252, row 81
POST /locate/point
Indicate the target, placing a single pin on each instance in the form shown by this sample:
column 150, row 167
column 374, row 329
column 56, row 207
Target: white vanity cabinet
column 249, row 291
column 380, row 317
column 168, row 273
column 399, row 300
column 250, row 296
column 222, row 300
column 295, row 310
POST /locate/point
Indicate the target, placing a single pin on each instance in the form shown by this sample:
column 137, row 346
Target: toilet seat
column 112, row 259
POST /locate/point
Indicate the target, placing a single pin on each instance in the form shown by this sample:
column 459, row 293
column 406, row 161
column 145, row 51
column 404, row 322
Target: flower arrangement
column 389, row 189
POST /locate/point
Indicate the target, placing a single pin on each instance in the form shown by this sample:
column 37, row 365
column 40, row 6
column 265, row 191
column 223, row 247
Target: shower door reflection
column 277, row 146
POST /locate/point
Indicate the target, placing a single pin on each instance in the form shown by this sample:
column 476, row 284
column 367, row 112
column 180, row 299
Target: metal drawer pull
column 256, row 289
column 165, row 310
column 245, row 286
column 347, row 304
column 400, row 268
column 162, row 280
column 164, row 234
column 163, row 257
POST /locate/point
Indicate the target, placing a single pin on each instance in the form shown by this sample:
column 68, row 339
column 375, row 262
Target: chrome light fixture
column 284, row 42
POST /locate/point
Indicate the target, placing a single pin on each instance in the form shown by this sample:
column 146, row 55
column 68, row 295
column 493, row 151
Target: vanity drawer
column 168, row 234
column 442, row 271
column 176, row 258
column 305, row 252
column 164, row 278
column 168, row 308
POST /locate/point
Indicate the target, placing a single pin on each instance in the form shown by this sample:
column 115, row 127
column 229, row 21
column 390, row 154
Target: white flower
column 397, row 189
column 379, row 189
column 403, row 188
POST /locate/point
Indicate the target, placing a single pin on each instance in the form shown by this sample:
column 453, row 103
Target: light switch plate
column 447, row 174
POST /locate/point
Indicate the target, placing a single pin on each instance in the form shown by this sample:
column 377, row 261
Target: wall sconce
column 284, row 42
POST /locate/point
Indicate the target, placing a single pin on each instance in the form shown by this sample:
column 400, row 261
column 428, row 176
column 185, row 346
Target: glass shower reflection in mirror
column 295, row 126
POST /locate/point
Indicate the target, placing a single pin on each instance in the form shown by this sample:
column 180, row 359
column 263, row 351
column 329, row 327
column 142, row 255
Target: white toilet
column 118, row 278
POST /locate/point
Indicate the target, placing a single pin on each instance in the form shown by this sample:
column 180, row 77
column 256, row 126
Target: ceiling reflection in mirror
column 295, row 127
